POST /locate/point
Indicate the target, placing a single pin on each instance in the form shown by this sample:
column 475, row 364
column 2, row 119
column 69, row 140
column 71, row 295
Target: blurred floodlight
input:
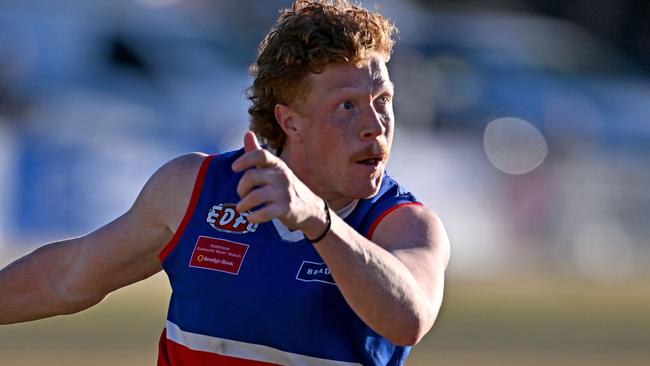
column 514, row 145
column 604, row 254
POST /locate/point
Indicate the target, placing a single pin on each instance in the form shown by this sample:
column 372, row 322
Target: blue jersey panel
column 244, row 282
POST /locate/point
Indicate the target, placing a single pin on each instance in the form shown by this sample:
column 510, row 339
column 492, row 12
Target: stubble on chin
column 377, row 183
column 373, row 188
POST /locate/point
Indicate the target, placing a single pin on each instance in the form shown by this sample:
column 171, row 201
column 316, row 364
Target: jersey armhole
column 373, row 226
column 196, row 193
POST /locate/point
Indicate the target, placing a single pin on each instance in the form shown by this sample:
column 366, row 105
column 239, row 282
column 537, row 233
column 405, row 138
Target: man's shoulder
column 168, row 192
column 173, row 180
column 179, row 175
column 400, row 220
column 184, row 168
column 180, row 170
column 183, row 164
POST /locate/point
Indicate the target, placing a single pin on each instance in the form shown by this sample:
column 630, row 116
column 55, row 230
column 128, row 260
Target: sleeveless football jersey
column 245, row 294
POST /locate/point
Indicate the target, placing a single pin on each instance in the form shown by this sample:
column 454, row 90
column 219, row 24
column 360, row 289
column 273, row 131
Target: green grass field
column 542, row 323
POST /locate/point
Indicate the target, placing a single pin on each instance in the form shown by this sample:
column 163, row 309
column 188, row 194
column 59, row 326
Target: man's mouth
column 370, row 161
column 371, row 157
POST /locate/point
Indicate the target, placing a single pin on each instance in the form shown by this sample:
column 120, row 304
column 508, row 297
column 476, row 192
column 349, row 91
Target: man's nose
column 373, row 124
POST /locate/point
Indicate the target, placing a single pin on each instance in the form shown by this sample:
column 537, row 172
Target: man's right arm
column 68, row 276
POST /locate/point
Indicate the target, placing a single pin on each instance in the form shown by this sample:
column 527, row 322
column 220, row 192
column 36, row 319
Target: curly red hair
column 307, row 37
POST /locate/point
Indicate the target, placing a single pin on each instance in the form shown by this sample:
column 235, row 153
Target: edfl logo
column 224, row 217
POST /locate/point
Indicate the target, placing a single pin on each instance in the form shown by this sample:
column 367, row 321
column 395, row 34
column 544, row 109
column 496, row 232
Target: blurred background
column 524, row 124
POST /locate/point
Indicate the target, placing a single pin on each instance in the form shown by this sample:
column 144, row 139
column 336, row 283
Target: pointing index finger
column 253, row 159
column 250, row 142
column 254, row 156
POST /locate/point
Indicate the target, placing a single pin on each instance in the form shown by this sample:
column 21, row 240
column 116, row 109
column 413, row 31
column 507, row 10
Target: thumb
column 250, row 142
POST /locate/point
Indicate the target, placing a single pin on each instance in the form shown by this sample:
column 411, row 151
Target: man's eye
column 347, row 105
column 384, row 99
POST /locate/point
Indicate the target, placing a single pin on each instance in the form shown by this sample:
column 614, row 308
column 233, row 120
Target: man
column 309, row 256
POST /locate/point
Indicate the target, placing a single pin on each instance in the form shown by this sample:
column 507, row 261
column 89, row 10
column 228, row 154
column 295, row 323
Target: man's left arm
column 395, row 282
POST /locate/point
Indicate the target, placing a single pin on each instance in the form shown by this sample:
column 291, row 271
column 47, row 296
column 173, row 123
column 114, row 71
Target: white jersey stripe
column 248, row 351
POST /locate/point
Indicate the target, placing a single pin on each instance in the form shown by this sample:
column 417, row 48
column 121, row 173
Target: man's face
column 346, row 126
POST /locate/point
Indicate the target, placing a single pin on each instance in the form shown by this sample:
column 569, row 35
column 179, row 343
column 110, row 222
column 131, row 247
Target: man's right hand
column 271, row 190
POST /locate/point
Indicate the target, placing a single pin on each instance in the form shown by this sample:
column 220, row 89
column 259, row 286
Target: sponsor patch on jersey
column 218, row 255
column 314, row 272
column 225, row 218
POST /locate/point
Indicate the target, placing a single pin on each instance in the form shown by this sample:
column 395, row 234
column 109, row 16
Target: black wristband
column 328, row 225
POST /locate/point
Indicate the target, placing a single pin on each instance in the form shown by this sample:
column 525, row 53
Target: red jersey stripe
column 181, row 355
column 196, row 192
column 179, row 347
column 372, row 228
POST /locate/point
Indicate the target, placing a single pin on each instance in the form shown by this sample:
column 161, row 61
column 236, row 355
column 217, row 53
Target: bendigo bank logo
column 224, row 217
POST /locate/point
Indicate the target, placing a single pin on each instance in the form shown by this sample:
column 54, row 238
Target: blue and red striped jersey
column 245, row 294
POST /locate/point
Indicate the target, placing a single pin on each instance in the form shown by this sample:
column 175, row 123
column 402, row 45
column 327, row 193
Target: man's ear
column 286, row 118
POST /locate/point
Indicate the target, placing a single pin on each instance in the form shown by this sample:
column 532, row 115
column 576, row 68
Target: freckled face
column 346, row 125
